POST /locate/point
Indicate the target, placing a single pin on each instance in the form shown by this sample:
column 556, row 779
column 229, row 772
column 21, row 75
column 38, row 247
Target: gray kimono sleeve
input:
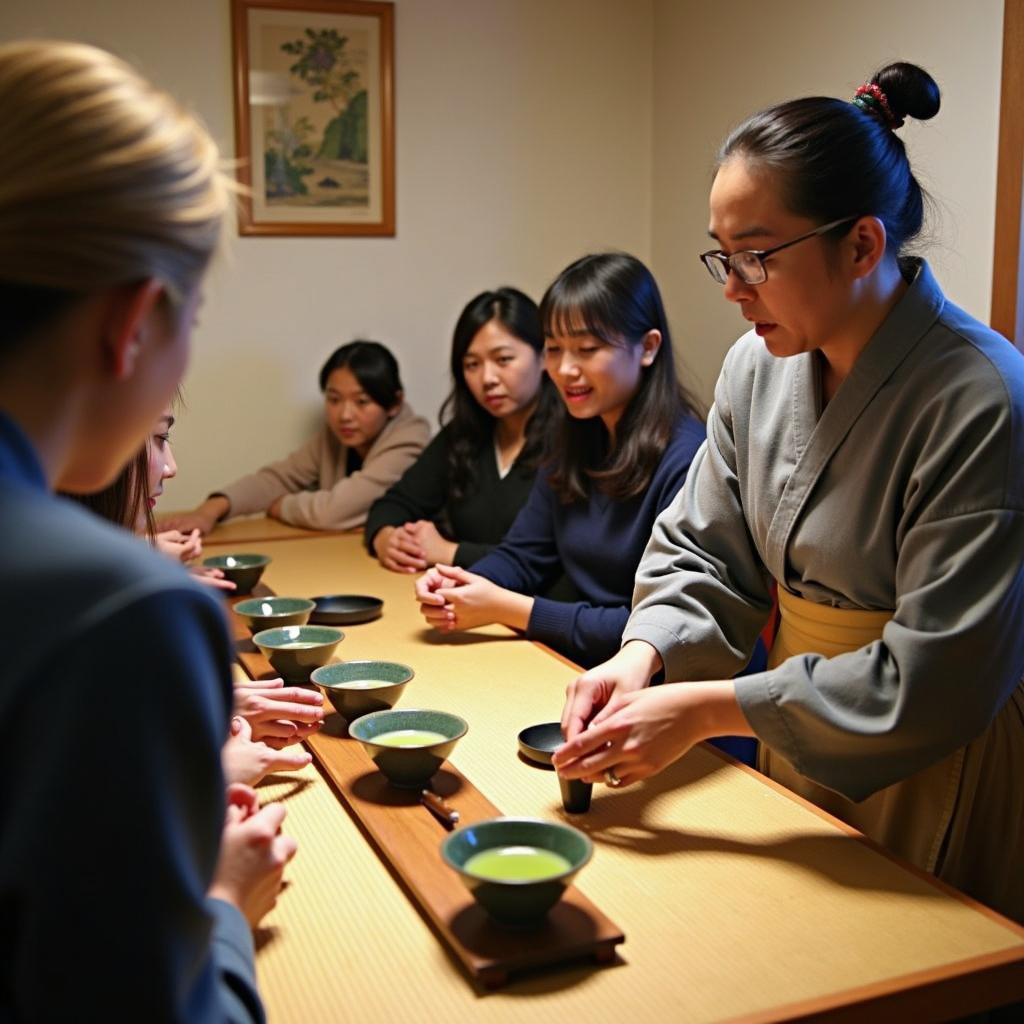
column 702, row 594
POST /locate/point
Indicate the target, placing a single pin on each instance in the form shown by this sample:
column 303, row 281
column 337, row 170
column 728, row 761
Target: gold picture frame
column 314, row 116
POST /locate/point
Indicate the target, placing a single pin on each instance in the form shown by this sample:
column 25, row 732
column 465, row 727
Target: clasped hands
column 452, row 599
column 412, row 547
column 253, row 854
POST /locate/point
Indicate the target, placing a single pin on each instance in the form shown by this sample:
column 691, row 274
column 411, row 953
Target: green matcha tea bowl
column 267, row 612
column 358, row 688
column 517, row 868
column 408, row 745
column 244, row 570
column 294, row 651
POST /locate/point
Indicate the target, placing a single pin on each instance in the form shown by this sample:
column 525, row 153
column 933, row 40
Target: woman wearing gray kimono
column 864, row 453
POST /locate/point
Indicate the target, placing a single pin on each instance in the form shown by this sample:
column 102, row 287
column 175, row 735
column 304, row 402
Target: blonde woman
column 116, row 692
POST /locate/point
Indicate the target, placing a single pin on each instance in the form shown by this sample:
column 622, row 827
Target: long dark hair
column 372, row 365
column 126, row 500
column 614, row 297
column 472, row 426
column 834, row 159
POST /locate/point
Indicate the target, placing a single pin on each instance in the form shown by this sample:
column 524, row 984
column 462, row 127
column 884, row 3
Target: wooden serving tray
column 408, row 837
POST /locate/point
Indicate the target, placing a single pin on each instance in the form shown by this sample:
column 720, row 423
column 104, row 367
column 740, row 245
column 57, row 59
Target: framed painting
column 314, row 116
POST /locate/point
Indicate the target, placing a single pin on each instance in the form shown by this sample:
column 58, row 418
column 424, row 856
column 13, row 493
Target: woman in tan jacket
column 368, row 439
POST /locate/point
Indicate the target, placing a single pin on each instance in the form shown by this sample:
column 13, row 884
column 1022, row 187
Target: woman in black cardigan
column 460, row 496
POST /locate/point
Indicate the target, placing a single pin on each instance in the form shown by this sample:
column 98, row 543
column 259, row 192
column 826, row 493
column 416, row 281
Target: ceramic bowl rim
column 273, row 615
column 384, row 684
column 278, row 647
column 463, row 726
column 211, row 560
column 535, row 755
column 449, row 840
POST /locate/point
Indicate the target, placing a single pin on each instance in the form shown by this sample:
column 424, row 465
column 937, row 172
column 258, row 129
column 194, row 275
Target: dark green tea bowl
column 268, row 612
column 426, row 738
column 357, row 688
column 244, row 570
column 517, row 868
column 294, row 651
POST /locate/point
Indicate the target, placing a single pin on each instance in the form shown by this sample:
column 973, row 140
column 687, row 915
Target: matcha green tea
column 516, row 864
column 409, row 738
column 363, row 684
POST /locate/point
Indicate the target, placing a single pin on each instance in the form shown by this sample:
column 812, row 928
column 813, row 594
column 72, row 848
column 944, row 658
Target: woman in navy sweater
column 622, row 442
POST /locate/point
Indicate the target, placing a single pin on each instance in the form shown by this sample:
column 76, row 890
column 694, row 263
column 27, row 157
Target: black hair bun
column 910, row 90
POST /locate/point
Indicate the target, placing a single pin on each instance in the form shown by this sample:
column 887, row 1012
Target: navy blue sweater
column 597, row 543
column 115, row 696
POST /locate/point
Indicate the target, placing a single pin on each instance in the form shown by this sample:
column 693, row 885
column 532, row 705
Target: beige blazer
column 320, row 495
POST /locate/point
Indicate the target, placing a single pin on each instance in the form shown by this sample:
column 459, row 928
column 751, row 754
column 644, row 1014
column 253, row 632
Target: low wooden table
column 739, row 901
column 249, row 530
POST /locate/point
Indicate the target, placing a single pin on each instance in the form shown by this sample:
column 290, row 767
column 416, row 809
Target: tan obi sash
column 912, row 816
column 963, row 818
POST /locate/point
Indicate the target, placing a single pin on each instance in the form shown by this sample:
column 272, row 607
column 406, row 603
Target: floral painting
column 315, row 124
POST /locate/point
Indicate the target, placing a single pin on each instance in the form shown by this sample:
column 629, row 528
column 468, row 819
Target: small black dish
column 537, row 743
column 345, row 609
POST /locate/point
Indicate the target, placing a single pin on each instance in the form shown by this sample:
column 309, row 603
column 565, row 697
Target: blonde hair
column 104, row 179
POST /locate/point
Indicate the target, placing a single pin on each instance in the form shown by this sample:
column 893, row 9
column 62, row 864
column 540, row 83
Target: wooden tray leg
column 494, row 977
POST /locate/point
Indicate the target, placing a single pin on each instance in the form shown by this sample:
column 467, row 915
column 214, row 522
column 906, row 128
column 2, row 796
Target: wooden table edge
column 212, row 542
column 930, row 994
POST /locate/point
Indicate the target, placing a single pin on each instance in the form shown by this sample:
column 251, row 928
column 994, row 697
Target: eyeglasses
column 748, row 265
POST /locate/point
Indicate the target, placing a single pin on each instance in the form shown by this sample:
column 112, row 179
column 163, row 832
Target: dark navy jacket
column 115, row 695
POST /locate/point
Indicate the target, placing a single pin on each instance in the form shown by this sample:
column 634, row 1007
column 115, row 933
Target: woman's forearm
column 514, row 609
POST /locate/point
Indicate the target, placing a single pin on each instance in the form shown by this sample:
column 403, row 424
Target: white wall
column 529, row 132
column 714, row 65
column 523, row 140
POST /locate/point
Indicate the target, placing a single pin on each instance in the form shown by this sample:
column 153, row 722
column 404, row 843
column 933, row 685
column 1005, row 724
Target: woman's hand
column 204, row 518
column 627, row 671
column 247, row 761
column 279, row 714
column 434, row 547
column 427, row 587
column 638, row 734
column 253, row 854
column 212, row 577
column 274, row 510
column 398, row 550
column 182, row 547
column 452, row 598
